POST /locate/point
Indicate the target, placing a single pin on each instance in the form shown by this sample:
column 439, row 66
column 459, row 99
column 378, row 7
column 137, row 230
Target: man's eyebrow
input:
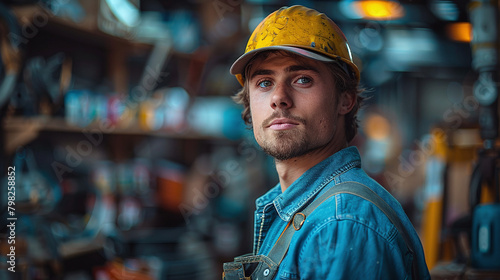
column 292, row 68
column 261, row 72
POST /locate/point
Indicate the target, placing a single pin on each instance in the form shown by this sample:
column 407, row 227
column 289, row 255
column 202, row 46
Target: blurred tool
column 36, row 192
column 445, row 222
column 485, row 247
column 47, row 80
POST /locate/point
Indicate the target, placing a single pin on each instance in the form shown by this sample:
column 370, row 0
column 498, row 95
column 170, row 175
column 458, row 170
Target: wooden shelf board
column 20, row 126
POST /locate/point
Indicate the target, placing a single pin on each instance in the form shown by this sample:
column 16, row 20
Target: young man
column 301, row 95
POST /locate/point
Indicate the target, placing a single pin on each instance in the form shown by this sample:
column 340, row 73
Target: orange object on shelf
column 170, row 189
column 116, row 270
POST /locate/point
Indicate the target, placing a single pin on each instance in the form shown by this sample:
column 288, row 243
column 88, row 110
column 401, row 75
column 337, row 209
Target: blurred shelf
column 36, row 17
column 21, row 130
column 81, row 246
column 452, row 271
column 153, row 235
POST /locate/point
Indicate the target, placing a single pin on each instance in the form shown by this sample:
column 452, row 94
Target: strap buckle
column 298, row 220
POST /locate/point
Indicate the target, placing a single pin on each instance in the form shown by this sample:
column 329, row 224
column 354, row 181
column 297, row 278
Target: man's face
column 294, row 108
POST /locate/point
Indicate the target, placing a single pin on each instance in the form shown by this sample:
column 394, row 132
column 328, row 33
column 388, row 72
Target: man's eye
column 265, row 83
column 303, row 80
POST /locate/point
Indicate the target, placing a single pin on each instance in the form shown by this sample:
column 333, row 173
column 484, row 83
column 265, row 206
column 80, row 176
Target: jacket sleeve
column 347, row 249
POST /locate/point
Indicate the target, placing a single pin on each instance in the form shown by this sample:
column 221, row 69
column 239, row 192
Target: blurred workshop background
column 132, row 162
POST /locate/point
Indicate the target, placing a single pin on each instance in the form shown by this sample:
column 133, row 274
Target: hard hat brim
column 238, row 67
column 240, row 64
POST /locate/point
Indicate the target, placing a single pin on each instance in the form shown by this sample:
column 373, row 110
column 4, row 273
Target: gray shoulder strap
column 279, row 249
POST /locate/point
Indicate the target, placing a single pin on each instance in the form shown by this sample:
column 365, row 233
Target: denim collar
column 306, row 187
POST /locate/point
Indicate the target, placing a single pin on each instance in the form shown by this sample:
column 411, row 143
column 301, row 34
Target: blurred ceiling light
column 459, row 31
column 409, row 41
column 378, row 10
column 405, row 48
column 347, row 10
column 445, row 10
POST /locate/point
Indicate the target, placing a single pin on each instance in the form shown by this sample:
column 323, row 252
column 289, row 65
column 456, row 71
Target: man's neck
column 291, row 169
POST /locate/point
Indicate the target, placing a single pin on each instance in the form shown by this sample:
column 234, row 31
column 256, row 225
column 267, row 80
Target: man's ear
column 347, row 102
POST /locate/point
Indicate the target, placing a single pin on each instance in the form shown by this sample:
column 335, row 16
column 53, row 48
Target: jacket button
column 266, row 272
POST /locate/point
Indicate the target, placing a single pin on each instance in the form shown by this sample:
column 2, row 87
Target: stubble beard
column 285, row 145
column 288, row 144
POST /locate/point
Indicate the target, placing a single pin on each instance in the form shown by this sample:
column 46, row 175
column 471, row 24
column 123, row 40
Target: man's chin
column 285, row 149
column 280, row 155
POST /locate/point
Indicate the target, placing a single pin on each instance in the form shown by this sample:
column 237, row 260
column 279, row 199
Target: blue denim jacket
column 346, row 237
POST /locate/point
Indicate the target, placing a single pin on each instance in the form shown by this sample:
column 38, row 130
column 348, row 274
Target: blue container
column 485, row 253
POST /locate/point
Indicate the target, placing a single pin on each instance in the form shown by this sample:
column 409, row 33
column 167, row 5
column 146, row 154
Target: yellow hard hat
column 299, row 30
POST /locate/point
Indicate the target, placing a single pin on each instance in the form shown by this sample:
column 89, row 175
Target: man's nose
column 281, row 98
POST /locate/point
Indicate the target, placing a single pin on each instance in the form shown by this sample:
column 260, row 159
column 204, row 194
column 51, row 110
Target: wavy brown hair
column 344, row 83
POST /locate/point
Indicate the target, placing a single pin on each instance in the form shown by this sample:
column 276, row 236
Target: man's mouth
column 282, row 124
